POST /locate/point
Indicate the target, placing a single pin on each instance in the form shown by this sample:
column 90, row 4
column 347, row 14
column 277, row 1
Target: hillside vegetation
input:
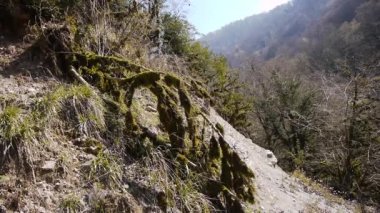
column 112, row 106
column 326, row 31
column 312, row 68
column 113, row 115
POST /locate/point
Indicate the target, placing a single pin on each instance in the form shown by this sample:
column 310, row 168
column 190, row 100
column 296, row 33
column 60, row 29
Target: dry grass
column 169, row 191
column 106, row 169
column 71, row 203
column 74, row 109
column 318, row 188
column 18, row 139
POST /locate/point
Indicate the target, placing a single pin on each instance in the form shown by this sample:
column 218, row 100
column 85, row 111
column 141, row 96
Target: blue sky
column 211, row 15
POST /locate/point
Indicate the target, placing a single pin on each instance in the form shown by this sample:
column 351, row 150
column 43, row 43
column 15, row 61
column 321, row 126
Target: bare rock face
column 276, row 191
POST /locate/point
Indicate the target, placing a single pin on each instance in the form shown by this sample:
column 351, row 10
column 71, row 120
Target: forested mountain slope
column 112, row 106
column 323, row 30
column 82, row 173
column 312, row 69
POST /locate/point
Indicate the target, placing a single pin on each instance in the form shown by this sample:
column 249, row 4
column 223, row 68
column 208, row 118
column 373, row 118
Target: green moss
column 106, row 170
column 162, row 139
column 172, row 80
column 17, row 133
column 93, row 146
column 235, row 174
column 143, row 79
column 220, row 128
column 11, row 124
column 182, row 159
column 200, row 89
column 215, row 158
column 119, row 79
column 110, row 64
column 71, row 203
column 172, row 94
column 78, row 106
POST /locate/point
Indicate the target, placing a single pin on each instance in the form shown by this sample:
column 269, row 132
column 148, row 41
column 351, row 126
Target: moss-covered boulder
column 160, row 110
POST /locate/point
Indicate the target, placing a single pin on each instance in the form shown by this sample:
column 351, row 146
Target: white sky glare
column 210, row 15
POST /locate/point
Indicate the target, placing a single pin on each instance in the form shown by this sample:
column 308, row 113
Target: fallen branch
column 79, row 77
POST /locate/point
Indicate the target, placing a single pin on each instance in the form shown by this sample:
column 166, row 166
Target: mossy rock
column 182, row 133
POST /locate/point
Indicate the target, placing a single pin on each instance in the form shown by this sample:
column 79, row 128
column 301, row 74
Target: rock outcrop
column 277, row 191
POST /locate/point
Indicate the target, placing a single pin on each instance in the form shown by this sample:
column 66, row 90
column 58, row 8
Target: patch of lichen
column 200, row 89
column 162, row 140
column 109, row 64
column 220, row 128
column 215, row 157
column 235, row 173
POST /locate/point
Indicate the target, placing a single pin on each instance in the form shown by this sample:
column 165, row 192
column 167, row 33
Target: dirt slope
column 277, row 191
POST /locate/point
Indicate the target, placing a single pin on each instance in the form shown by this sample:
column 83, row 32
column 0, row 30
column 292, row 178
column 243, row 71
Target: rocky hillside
column 115, row 145
column 90, row 122
column 61, row 162
column 312, row 71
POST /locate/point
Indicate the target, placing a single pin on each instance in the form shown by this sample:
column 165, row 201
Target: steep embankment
column 129, row 139
column 70, row 163
column 276, row 190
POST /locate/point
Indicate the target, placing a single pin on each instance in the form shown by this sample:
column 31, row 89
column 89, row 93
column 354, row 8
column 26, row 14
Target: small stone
column 41, row 209
column 31, row 90
column 40, row 184
column 79, row 141
column 151, row 109
column 48, row 166
column 57, row 186
column 272, row 159
column 151, row 132
column 125, row 188
column 86, row 166
column 11, row 49
column 3, row 209
column 269, row 154
column 94, row 150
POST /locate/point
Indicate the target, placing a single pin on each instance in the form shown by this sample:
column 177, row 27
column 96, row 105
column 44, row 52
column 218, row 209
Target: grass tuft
column 106, row 170
column 71, row 204
column 16, row 136
column 79, row 107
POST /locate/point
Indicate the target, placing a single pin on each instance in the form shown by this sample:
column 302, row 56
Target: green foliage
column 356, row 174
column 71, row 204
column 17, row 132
column 286, row 112
column 223, row 84
column 78, row 111
column 12, row 127
column 176, row 34
column 230, row 97
column 179, row 119
column 48, row 9
column 105, row 169
column 79, row 106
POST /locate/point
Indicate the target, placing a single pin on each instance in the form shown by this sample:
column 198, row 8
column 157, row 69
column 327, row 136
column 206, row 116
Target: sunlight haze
column 210, row 15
